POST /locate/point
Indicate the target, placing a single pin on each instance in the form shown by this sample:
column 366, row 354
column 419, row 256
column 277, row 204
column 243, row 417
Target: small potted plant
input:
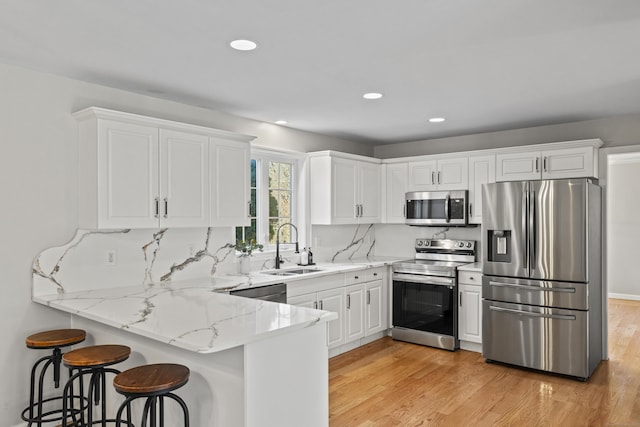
column 246, row 248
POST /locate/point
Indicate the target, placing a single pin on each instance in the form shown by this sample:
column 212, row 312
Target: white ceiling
column 485, row 65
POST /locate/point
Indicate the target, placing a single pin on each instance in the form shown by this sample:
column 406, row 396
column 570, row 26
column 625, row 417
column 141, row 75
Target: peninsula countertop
column 197, row 314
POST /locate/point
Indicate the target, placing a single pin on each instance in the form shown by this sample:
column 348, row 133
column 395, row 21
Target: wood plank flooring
column 391, row 383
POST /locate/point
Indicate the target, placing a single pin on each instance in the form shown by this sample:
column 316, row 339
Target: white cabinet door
column 422, row 176
column 470, row 313
column 518, row 166
column 369, row 192
column 568, row 163
column 452, row 174
column 443, row 174
column 333, row 300
column 184, row 179
column 230, row 177
column 354, row 319
column 482, row 170
column 128, row 160
column 376, row 307
column 396, row 186
column 344, row 188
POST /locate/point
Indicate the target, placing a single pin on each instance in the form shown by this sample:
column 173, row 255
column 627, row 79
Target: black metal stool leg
column 181, row 402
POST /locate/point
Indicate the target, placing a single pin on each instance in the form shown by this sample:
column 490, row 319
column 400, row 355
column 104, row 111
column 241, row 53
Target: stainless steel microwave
column 437, row 208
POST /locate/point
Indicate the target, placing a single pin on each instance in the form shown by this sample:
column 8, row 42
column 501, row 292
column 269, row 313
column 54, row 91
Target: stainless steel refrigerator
column 542, row 298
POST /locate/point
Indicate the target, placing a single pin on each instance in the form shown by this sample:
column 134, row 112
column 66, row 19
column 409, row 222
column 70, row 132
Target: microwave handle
column 447, row 216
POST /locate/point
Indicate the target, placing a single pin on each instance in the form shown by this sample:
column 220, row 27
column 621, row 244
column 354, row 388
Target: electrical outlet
column 112, row 257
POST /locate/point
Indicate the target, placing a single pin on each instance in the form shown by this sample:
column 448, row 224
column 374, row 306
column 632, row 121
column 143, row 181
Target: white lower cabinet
column 470, row 307
column 361, row 305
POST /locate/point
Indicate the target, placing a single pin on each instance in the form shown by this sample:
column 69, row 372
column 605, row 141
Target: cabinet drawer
column 470, row 277
column 353, row 277
column 376, row 273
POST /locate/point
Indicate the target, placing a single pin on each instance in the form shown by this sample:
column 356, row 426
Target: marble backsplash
column 335, row 243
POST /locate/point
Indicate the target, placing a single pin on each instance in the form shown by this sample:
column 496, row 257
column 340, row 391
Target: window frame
column 262, row 158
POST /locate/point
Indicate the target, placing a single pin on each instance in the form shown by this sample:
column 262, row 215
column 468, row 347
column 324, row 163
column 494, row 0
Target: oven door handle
column 533, row 314
column 425, row 280
column 532, row 288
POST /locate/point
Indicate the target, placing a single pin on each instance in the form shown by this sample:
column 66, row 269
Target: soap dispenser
column 310, row 256
column 304, row 257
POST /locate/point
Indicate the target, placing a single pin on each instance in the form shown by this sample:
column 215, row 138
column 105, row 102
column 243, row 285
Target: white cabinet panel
column 376, row 307
column 397, row 179
column 127, row 181
column 184, row 179
column 482, row 170
column 334, row 300
column 354, row 319
column 441, row 174
column 231, row 180
column 470, row 313
column 369, row 192
column 568, row 163
column 306, row 300
column 518, row 166
column 345, row 191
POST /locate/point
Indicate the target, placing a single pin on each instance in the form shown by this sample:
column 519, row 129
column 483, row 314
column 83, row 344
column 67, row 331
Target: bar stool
column 93, row 361
column 54, row 339
column 153, row 382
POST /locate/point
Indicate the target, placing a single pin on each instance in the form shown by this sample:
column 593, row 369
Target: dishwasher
column 275, row 293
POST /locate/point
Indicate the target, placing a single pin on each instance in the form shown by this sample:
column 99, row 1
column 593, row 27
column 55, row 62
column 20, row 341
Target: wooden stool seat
column 96, row 355
column 151, row 379
column 56, row 338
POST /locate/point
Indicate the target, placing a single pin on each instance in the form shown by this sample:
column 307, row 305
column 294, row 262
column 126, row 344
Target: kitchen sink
column 292, row 272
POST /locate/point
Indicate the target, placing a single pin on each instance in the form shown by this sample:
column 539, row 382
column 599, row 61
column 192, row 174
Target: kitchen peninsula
column 252, row 362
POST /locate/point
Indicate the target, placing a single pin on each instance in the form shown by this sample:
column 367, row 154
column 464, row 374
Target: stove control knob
column 460, row 244
column 468, row 244
column 419, row 243
column 426, row 243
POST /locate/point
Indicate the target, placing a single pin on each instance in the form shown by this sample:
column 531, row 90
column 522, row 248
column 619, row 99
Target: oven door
column 425, row 309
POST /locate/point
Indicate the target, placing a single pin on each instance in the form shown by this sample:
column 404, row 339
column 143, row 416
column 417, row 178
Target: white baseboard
column 625, row 296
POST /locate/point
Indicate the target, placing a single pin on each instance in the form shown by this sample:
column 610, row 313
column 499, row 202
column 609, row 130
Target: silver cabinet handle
column 470, row 210
column 315, row 305
column 368, row 297
column 166, row 207
column 433, row 177
column 439, row 178
column 321, row 305
column 532, row 288
column 537, row 164
column 348, row 301
column 531, row 314
column 375, row 274
column 544, row 163
column 460, row 299
column 157, row 201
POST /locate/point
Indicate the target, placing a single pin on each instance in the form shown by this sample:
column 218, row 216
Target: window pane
column 285, row 232
column 250, row 232
column 285, row 176
column 253, row 173
column 285, row 204
column 239, row 234
column 254, row 202
column 273, row 204
column 273, row 175
column 273, row 226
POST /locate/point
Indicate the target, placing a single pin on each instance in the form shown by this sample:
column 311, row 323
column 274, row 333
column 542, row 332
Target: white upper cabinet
column 440, row 174
column 571, row 162
column 397, row 179
column 344, row 190
column 184, row 179
column 482, row 170
column 231, row 180
column 141, row 172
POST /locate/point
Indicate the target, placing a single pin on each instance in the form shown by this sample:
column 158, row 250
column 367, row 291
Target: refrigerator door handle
column 532, row 314
column 532, row 288
column 525, row 206
column 533, row 223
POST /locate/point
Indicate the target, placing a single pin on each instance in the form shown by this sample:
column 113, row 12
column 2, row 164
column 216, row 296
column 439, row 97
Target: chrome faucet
column 278, row 259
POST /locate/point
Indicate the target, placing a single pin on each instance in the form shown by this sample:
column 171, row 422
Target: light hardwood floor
column 391, row 383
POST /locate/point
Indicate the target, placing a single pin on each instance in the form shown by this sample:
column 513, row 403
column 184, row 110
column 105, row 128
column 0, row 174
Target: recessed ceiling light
column 436, row 119
column 372, row 95
column 243, row 45
column 281, row 122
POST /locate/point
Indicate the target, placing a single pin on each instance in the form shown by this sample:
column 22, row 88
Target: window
column 272, row 200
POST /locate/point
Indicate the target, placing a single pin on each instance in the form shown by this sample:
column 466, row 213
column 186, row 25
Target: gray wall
column 614, row 131
column 39, row 189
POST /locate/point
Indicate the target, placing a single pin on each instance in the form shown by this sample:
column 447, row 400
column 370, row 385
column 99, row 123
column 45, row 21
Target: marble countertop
column 197, row 314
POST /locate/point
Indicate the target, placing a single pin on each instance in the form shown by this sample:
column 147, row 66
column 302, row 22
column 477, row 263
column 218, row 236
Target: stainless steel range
column 425, row 292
